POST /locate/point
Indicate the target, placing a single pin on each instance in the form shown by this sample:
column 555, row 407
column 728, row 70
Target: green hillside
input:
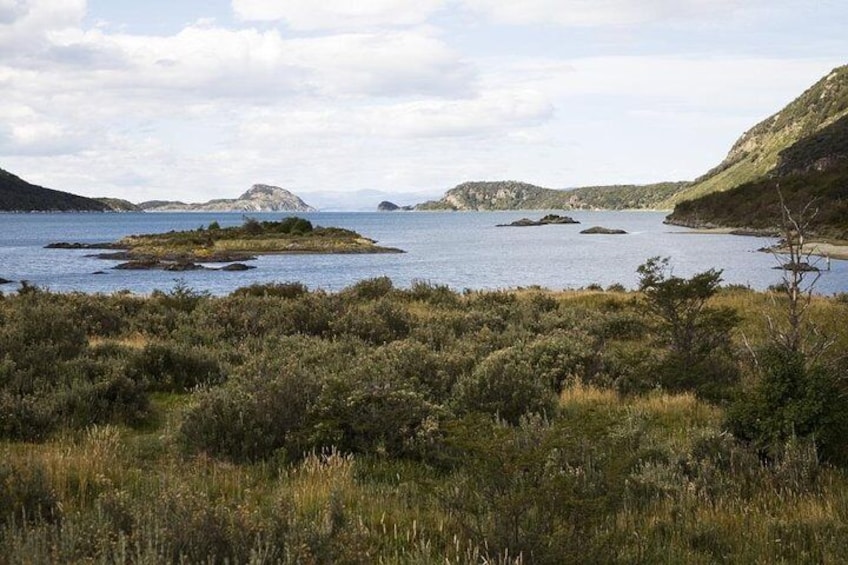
column 17, row 195
column 757, row 152
column 514, row 195
column 813, row 170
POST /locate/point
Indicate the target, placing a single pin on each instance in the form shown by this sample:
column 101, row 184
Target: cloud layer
column 390, row 95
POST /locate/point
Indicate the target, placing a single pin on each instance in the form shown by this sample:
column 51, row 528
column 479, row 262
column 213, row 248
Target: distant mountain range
column 260, row 198
column 17, row 195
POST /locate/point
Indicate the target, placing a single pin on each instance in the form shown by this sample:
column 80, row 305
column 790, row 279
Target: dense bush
column 173, row 368
column 421, row 425
column 252, row 418
column 505, row 384
column 26, row 494
column 789, row 398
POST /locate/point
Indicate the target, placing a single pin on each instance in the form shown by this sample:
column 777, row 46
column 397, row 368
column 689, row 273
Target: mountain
column 514, row 195
column 386, row 206
column 119, row 205
column 17, row 195
column 260, row 198
column 813, row 170
column 757, row 154
column 494, row 195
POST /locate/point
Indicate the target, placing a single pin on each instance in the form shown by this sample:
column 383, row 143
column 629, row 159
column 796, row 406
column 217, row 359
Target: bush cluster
column 278, row 424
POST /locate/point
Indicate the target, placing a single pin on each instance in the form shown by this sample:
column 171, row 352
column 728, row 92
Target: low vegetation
column 290, row 235
column 421, row 425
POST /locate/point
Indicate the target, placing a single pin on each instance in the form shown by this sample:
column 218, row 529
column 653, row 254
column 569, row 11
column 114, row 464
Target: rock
column 182, row 266
column 74, row 245
column 115, row 255
column 602, row 230
column 800, row 267
column 5, row 281
column 139, row 265
column 386, row 206
column 237, row 267
column 99, row 273
column 550, row 219
column 154, row 264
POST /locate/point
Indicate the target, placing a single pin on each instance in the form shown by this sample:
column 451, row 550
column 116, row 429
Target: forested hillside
column 17, row 195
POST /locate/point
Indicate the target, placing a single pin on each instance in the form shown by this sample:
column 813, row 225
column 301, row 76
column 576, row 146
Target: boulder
column 237, row 267
column 550, row 219
column 603, row 230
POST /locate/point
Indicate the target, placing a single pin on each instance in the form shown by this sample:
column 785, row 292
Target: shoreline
column 825, row 249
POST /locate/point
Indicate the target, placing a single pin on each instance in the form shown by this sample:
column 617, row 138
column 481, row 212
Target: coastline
column 836, row 251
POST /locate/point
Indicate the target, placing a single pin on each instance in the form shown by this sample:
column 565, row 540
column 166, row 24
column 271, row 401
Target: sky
column 346, row 103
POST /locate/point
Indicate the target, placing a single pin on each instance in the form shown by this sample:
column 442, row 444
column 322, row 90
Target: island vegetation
column 183, row 250
column 684, row 422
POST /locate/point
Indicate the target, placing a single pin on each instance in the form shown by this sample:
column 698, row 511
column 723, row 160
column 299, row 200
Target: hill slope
column 514, row 195
column 17, row 195
column 758, row 152
column 260, row 198
column 812, row 170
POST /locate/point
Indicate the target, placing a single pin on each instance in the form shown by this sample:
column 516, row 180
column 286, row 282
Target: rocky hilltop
column 260, row 198
column 17, row 195
column 494, row 195
column 514, row 195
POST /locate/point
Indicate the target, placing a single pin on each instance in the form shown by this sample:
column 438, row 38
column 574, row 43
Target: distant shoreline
column 837, row 251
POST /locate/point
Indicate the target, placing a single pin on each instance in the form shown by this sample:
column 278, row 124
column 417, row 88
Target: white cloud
column 26, row 23
column 337, row 14
column 385, row 95
column 599, row 12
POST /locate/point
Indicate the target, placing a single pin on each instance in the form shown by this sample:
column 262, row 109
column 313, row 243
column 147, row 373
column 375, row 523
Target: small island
column 185, row 250
column 550, row 219
column 603, row 231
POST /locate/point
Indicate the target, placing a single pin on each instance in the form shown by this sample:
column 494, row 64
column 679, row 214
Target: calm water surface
column 462, row 250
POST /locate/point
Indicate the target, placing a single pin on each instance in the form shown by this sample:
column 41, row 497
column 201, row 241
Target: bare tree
column 800, row 274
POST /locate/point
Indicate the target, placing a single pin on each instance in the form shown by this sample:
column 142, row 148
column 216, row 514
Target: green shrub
column 31, row 417
column 280, row 290
column 370, row 413
column 378, row 322
column 370, row 289
column 791, row 399
column 291, row 225
column 505, row 384
column 168, row 367
column 251, row 419
column 98, row 392
column 434, row 294
column 26, row 494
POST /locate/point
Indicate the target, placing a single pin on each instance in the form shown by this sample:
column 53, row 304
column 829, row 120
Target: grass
column 608, row 476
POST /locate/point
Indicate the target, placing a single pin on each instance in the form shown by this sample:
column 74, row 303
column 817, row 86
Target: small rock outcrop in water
column 5, row 281
column 237, row 267
column 601, row 230
column 550, row 219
